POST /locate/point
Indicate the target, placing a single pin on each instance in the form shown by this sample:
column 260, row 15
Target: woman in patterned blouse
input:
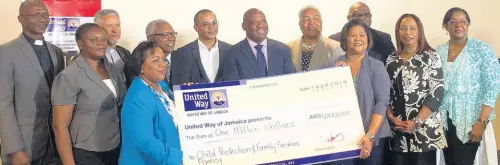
column 416, row 92
column 472, row 85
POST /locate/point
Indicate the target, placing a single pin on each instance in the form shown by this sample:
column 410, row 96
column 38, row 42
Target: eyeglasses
column 207, row 25
column 165, row 34
column 455, row 22
column 361, row 15
column 38, row 15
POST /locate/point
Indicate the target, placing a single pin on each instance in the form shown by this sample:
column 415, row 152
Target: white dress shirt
column 210, row 59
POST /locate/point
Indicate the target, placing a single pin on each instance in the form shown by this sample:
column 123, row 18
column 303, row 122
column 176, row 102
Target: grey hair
column 151, row 27
column 104, row 12
column 25, row 4
column 308, row 7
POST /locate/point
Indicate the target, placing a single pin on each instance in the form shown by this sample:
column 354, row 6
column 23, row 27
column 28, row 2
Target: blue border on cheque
column 212, row 85
column 318, row 159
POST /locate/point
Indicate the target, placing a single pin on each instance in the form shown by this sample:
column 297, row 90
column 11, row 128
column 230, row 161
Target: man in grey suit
column 28, row 67
column 202, row 60
column 382, row 43
column 257, row 56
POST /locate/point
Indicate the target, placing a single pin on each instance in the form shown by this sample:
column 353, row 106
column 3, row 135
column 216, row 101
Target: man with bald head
column 382, row 43
column 29, row 65
column 201, row 61
column 109, row 20
column 162, row 33
column 257, row 56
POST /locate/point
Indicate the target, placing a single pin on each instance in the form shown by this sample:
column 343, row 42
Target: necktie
column 167, row 76
column 261, row 61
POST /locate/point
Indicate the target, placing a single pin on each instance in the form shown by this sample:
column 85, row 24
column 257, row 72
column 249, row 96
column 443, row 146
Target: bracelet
column 372, row 138
column 482, row 122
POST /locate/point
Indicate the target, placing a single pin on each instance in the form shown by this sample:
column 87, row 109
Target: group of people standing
column 112, row 106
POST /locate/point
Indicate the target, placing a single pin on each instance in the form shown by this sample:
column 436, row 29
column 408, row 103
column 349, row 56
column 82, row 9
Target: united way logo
column 219, row 99
column 73, row 24
column 204, row 100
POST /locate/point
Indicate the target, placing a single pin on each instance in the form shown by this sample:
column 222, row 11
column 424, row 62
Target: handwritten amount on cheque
column 239, row 127
column 245, row 126
column 214, row 155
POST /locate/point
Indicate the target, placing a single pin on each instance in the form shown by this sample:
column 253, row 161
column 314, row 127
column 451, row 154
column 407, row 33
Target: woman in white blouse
column 87, row 97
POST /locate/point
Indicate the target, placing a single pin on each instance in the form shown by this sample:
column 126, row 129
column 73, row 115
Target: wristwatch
column 483, row 122
column 372, row 138
column 418, row 123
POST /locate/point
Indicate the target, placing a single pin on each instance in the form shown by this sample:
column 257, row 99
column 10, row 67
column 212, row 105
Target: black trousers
column 84, row 157
column 457, row 152
column 414, row 158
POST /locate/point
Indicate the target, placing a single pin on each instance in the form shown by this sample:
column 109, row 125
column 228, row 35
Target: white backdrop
column 282, row 16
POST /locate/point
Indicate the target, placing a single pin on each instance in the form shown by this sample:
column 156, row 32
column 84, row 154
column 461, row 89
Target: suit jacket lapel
column 248, row 53
column 195, row 52
column 114, row 79
column 297, row 54
column 318, row 55
column 82, row 63
column 223, row 49
column 30, row 54
column 272, row 58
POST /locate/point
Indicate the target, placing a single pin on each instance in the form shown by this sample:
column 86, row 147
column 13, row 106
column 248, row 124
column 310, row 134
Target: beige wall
column 282, row 17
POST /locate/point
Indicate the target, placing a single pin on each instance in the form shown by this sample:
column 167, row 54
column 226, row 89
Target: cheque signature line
column 213, row 141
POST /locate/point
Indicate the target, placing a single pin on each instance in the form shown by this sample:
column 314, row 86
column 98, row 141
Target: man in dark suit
column 28, row 67
column 109, row 20
column 202, row 60
column 257, row 56
column 382, row 43
column 163, row 34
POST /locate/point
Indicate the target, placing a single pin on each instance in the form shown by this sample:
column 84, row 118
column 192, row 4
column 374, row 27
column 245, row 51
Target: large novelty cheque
column 300, row 118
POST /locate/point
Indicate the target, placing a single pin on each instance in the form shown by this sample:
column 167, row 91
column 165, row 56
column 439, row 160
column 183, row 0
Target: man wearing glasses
column 200, row 60
column 382, row 44
column 28, row 67
column 162, row 33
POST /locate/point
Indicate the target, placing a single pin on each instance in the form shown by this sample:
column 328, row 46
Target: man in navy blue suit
column 202, row 60
column 257, row 56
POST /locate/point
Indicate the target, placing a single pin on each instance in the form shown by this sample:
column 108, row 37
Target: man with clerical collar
column 382, row 43
column 109, row 20
column 29, row 65
column 312, row 50
column 201, row 61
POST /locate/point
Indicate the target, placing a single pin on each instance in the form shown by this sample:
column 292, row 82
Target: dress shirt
column 264, row 49
column 209, row 59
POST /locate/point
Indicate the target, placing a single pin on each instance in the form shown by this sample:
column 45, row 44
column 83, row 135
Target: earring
column 142, row 72
column 447, row 33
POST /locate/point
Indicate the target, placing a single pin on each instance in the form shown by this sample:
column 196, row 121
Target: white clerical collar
column 39, row 42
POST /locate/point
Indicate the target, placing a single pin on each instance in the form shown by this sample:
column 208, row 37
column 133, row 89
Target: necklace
column 308, row 47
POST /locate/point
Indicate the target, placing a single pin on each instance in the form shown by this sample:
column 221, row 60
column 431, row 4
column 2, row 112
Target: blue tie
column 261, row 61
